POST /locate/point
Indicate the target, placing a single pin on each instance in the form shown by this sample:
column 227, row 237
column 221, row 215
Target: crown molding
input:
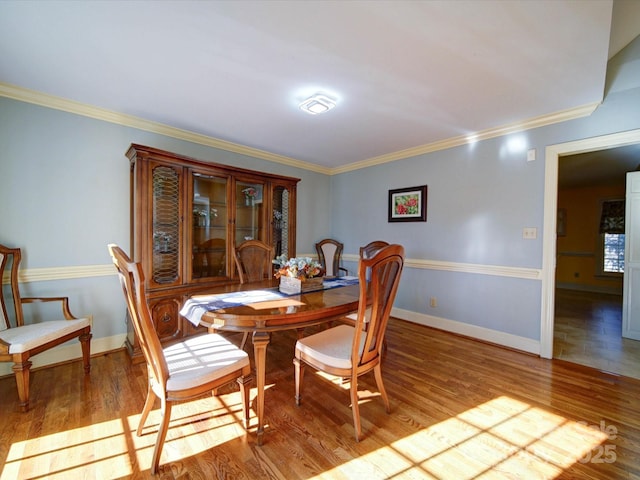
column 71, row 106
column 520, row 126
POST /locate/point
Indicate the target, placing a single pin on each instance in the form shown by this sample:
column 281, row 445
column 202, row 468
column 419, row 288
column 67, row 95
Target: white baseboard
column 493, row 336
column 617, row 290
column 72, row 351
column 67, row 352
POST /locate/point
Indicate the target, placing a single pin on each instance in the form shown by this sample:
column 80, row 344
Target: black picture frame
column 408, row 204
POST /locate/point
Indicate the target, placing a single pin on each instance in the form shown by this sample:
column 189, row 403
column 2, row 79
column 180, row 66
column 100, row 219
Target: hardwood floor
column 461, row 409
column 588, row 331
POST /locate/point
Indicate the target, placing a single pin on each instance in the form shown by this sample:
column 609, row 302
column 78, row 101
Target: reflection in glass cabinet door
column 166, row 224
column 280, row 221
column 209, row 226
column 249, row 204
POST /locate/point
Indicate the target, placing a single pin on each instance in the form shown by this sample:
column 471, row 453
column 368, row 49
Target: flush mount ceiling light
column 317, row 103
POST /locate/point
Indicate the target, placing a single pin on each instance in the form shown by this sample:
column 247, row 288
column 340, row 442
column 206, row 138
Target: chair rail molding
column 62, row 273
column 86, row 271
column 497, row 270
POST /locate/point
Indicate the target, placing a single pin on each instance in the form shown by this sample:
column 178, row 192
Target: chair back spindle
column 11, row 258
column 376, row 300
column 132, row 281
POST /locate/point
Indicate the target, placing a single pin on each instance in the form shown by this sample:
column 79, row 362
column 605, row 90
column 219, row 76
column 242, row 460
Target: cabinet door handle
column 166, row 318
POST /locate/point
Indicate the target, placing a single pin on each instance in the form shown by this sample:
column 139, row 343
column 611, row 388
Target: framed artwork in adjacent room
column 562, row 222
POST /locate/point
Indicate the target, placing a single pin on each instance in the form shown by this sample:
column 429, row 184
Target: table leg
column 260, row 342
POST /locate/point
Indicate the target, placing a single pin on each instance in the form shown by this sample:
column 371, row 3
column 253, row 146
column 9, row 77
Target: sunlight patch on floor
column 504, row 436
column 100, row 448
column 107, row 450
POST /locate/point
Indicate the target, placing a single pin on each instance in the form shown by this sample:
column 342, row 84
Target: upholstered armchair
column 20, row 340
column 330, row 254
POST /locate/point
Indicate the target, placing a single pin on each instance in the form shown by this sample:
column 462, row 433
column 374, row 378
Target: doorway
column 552, row 159
column 588, row 294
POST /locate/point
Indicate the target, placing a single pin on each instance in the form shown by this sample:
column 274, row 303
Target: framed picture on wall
column 408, row 204
column 561, row 229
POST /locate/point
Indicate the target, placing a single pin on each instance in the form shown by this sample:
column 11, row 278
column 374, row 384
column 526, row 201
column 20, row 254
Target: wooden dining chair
column 330, row 254
column 254, row 262
column 183, row 370
column 19, row 340
column 367, row 251
column 370, row 249
column 351, row 351
column 209, row 258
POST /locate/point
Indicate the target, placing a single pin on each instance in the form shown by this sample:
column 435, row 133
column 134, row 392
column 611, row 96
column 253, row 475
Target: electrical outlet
column 530, row 233
column 433, row 302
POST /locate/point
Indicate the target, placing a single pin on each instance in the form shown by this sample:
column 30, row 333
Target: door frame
column 552, row 158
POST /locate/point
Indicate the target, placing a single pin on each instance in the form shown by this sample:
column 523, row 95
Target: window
column 612, row 237
column 613, row 253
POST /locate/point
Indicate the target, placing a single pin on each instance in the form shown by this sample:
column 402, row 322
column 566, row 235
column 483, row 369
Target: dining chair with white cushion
column 184, row 370
column 351, row 351
column 21, row 340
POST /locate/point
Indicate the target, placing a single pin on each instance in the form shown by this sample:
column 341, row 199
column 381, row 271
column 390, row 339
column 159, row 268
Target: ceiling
column 405, row 74
column 602, row 167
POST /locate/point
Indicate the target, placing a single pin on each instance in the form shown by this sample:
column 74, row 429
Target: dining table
column 260, row 308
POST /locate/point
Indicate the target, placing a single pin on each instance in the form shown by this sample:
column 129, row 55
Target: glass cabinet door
column 209, row 220
column 165, row 224
column 280, row 221
column 250, row 203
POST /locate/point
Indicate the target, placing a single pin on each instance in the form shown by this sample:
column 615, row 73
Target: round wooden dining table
column 285, row 313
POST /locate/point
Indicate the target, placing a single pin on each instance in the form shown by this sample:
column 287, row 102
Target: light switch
column 530, row 233
column 531, row 155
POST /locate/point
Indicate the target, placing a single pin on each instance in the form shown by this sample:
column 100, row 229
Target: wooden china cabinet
column 186, row 215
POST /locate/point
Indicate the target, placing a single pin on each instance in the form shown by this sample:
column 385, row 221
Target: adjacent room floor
column 588, row 331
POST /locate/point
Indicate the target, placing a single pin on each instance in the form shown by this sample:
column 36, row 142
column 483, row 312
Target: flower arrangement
column 250, row 192
column 301, row 268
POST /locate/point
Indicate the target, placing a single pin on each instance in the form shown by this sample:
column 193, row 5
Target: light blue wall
column 64, row 195
column 480, row 197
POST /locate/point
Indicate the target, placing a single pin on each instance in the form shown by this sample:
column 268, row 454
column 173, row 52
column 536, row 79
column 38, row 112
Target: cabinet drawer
column 166, row 318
